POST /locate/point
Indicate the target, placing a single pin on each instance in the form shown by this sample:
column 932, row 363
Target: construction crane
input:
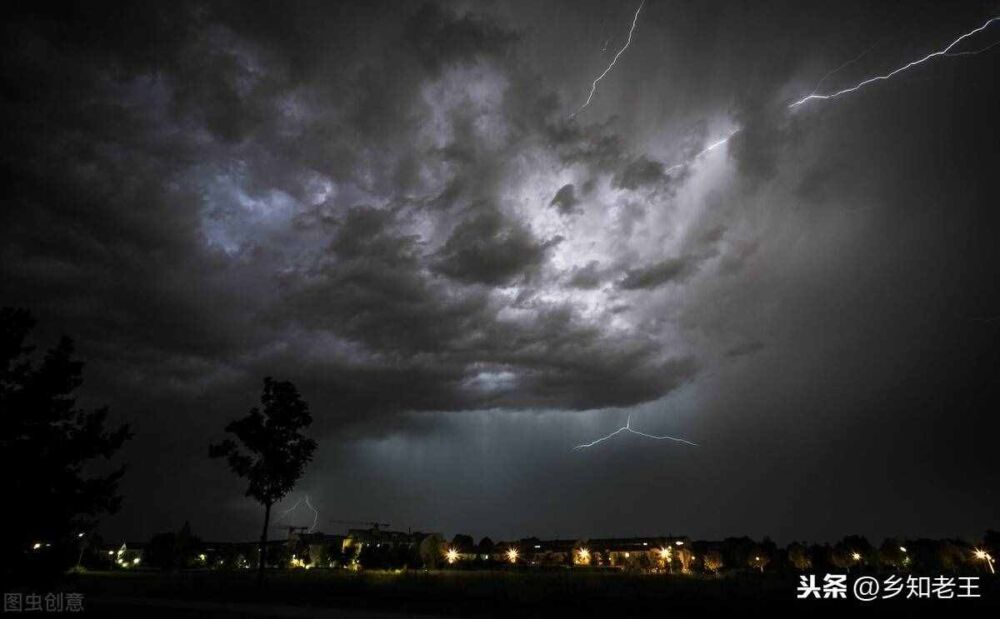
column 372, row 524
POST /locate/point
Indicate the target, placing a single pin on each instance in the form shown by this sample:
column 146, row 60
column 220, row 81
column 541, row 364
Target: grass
column 486, row 593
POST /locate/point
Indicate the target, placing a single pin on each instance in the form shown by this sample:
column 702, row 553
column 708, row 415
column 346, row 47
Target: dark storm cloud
column 488, row 248
column 389, row 205
column 639, row 173
column 587, row 277
column 439, row 36
column 565, row 199
column 658, row 274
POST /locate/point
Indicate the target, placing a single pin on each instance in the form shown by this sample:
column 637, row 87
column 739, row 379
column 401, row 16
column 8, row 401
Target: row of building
column 317, row 549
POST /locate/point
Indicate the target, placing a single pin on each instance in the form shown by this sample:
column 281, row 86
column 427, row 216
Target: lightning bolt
column 974, row 52
column 593, row 85
column 628, row 428
column 288, row 511
column 833, row 72
column 881, row 78
column 315, row 512
column 701, row 153
column 302, row 499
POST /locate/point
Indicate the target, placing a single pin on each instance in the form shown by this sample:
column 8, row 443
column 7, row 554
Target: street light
column 856, row 556
column 512, row 555
column 985, row 556
column 452, row 555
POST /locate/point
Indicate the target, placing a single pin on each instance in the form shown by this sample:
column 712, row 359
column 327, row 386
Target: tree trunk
column 262, row 556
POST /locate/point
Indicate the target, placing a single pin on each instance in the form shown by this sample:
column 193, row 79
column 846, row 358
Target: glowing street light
column 665, row 553
column 512, row 555
column 451, row 555
column 856, row 555
column 982, row 555
column 583, row 556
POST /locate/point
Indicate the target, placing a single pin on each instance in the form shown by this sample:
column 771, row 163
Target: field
column 478, row 593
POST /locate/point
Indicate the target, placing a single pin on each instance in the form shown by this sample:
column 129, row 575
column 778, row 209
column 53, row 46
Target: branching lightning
column 315, row 512
column 880, row 78
column 303, row 499
column 815, row 95
column 593, row 86
column 974, row 52
column 628, row 428
column 840, row 68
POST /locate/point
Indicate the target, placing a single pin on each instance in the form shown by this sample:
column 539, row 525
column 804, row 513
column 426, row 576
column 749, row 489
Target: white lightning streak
column 288, row 511
column 628, row 428
column 593, row 86
column 704, row 151
column 909, row 65
column 974, row 52
column 305, row 499
column 315, row 512
column 833, row 72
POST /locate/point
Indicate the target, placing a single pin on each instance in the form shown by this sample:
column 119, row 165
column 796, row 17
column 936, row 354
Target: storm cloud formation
column 388, row 205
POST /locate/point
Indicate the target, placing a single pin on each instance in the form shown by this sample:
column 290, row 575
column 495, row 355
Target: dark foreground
column 384, row 595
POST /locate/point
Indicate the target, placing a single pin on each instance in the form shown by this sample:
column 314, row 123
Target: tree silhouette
column 45, row 444
column 274, row 451
column 713, row 561
column 798, row 556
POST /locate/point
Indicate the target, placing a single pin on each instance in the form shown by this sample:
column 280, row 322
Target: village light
column 982, row 555
column 512, row 555
column 36, row 546
column 136, row 561
column 451, row 555
column 679, row 542
column 583, row 556
column 856, row 556
column 665, row 553
column 902, row 549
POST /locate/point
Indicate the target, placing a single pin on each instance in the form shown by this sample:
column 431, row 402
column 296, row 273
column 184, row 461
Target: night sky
column 391, row 206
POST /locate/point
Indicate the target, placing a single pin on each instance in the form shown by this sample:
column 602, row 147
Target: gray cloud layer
column 389, row 206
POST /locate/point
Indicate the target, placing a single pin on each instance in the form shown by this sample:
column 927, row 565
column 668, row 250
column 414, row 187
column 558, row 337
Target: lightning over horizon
column 303, row 499
column 593, row 85
column 946, row 51
column 628, row 428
